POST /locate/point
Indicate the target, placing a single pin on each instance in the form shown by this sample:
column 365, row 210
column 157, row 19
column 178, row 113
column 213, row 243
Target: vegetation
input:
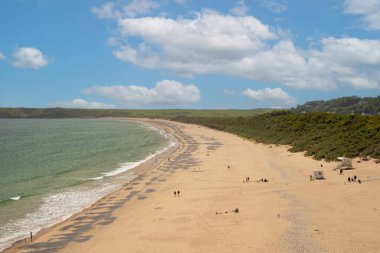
column 344, row 105
column 321, row 135
column 97, row 113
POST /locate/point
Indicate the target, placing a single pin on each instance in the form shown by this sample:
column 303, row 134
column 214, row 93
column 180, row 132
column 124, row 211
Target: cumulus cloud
column 2, row 56
column 205, row 44
column 276, row 95
column 274, row 6
column 228, row 92
column 243, row 46
column 346, row 62
column 165, row 92
column 138, row 7
column 29, row 57
column 105, row 11
column 215, row 43
column 132, row 9
column 180, row 2
column 338, row 63
column 81, row 104
column 368, row 9
column 240, row 9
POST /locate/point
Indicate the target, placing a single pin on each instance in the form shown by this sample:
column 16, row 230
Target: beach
column 219, row 210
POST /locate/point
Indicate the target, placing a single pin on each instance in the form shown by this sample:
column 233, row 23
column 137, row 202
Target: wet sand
column 289, row 213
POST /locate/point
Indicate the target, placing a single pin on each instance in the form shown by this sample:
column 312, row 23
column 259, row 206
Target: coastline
column 289, row 213
column 142, row 167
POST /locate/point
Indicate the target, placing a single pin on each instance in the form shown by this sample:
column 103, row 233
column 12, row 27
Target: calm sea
column 52, row 168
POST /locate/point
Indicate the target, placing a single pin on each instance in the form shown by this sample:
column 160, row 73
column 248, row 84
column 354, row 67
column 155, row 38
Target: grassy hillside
column 321, row 135
column 96, row 113
column 344, row 105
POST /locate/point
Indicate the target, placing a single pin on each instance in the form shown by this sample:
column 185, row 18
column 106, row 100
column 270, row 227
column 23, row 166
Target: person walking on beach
column 175, row 194
column 178, row 193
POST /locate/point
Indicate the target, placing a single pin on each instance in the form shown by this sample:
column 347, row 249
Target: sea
column 53, row 168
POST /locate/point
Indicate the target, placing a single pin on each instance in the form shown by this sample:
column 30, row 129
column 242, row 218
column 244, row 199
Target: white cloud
column 180, row 2
column 338, row 63
column 81, row 104
column 274, row 6
column 165, row 92
column 368, row 9
column 132, row 9
column 201, row 45
column 346, row 62
column 2, row 56
column 240, row 9
column 276, row 95
column 228, row 92
column 105, row 11
column 29, row 57
column 213, row 43
column 138, row 7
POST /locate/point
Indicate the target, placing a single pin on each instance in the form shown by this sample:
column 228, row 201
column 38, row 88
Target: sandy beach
column 289, row 213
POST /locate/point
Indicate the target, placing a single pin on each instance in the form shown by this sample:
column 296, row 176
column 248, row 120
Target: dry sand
column 290, row 213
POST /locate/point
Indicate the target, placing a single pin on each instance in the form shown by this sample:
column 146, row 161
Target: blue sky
column 187, row 54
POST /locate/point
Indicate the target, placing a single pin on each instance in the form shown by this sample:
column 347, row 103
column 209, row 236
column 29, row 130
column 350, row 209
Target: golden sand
column 289, row 213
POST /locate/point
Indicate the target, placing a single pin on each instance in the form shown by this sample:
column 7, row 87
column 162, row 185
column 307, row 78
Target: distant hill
column 321, row 135
column 344, row 105
column 98, row 113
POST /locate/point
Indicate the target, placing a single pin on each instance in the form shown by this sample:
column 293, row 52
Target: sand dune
column 289, row 213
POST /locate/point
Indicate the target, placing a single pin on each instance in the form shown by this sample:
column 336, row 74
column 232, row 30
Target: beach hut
column 318, row 174
column 345, row 163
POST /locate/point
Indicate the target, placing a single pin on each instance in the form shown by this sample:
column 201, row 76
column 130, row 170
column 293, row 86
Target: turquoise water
column 51, row 168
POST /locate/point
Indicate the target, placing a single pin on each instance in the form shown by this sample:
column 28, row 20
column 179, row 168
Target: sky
column 198, row 54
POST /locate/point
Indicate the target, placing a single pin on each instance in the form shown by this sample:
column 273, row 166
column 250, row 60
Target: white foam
column 54, row 208
column 172, row 141
column 58, row 207
column 130, row 165
column 97, row 178
column 125, row 167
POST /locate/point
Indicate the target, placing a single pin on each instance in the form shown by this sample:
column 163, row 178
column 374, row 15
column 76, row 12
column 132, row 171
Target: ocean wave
column 172, row 140
column 58, row 207
column 97, row 178
column 130, row 165
column 126, row 166
column 54, row 208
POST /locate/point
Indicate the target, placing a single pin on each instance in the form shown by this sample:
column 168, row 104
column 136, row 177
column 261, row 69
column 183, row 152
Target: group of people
column 354, row 179
column 236, row 210
column 247, row 180
column 176, row 193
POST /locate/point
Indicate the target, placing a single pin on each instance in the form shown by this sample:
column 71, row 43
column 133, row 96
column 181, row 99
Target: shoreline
column 289, row 213
column 140, row 169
